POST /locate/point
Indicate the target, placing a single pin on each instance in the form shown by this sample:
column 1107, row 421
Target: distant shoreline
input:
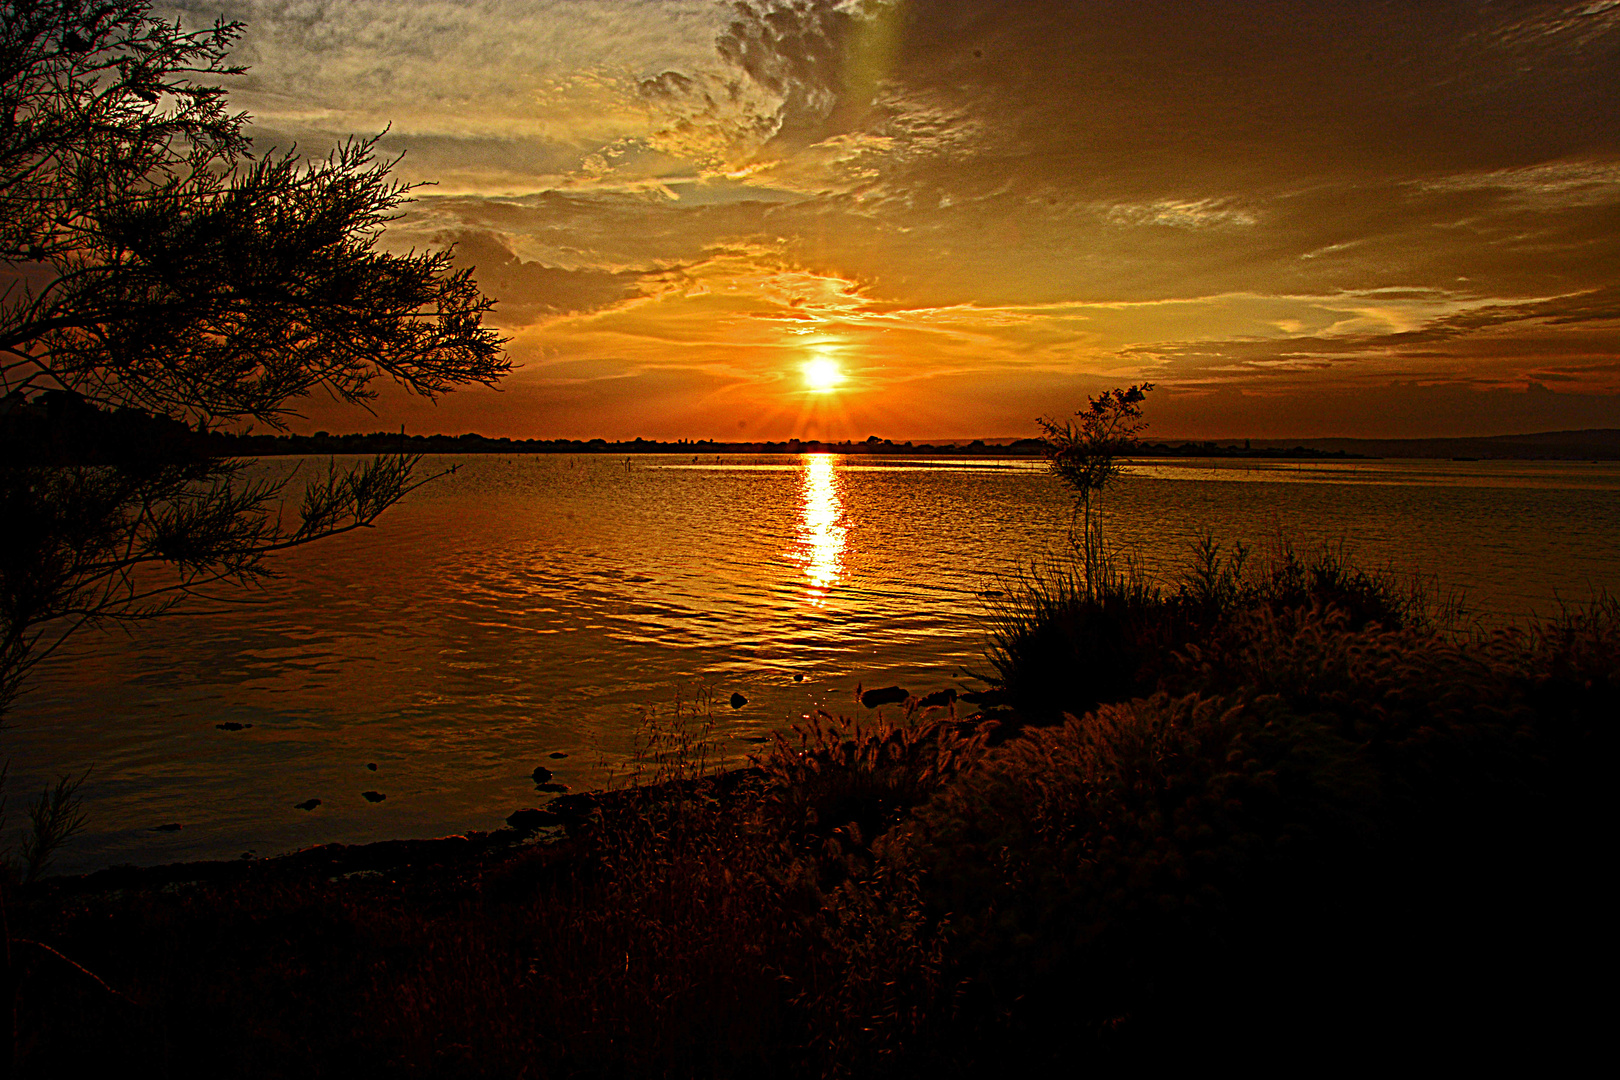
column 65, row 429
column 1601, row 444
column 378, row 442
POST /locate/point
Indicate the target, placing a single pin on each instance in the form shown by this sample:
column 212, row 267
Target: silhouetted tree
column 1083, row 452
column 156, row 276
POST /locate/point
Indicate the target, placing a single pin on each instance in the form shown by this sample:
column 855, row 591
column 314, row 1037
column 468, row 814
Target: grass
column 1061, row 643
column 1300, row 812
column 1309, row 829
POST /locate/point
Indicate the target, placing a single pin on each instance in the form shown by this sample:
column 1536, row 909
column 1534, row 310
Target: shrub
column 1063, row 645
column 1060, row 644
column 834, row 786
column 1319, row 826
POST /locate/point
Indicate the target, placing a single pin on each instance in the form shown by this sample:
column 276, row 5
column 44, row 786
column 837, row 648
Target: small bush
column 1063, row 645
column 833, row 786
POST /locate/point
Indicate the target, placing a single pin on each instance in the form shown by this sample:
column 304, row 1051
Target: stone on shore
column 886, row 695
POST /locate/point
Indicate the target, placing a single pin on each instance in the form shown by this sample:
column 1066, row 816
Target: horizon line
column 997, row 440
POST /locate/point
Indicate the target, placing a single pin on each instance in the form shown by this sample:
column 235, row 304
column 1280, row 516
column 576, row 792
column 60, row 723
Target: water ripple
column 530, row 605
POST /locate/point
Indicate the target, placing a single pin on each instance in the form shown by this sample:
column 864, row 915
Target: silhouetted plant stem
column 8, row 995
column 1083, row 454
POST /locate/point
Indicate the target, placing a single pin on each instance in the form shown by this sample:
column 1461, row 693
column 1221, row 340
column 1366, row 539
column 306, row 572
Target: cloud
column 982, row 205
column 1483, row 345
column 528, row 291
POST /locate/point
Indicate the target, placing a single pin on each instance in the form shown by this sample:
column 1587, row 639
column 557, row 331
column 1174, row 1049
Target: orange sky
column 1301, row 219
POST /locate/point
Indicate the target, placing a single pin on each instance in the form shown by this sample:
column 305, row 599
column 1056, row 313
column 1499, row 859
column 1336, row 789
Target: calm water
column 531, row 605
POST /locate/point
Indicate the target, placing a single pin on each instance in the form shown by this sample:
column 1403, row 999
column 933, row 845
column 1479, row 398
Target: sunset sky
column 1298, row 219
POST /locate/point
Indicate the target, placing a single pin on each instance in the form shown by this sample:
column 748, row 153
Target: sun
column 822, row 374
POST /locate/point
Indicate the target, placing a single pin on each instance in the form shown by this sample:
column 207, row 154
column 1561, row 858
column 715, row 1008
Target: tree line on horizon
column 57, row 427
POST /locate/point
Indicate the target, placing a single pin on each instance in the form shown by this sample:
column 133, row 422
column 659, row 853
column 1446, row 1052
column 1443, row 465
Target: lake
column 535, row 605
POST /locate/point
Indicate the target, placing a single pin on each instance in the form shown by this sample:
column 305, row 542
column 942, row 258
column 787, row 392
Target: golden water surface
column 530, row 606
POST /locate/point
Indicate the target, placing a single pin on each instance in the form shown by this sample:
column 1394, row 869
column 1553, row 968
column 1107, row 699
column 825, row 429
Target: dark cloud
column 1035, row 152
column 1389, row 409
column 1252, row 90
column 502, row 158
column 667, row 86
column 600, row 230
column 1559, row 330
column 528, row 291
column 804, row 52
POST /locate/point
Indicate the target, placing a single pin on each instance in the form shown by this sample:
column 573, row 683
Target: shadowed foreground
column 1307, row 824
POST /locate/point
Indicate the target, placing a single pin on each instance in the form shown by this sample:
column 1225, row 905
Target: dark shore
column 439, row 864
column 381, row 442
column 1601, row 444
column 63, row 429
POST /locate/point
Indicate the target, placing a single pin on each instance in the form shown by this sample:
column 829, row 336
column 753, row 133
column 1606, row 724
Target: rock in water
column 307, row 804
column 551, row 789
column 798, row 678
column 232, row 725
column 372, row 765
column 556, row 754
column 885, row 696
column 172, row 826
column 526, row 821
column 738, row 701
column 937, row 699
column 541, row 774
column 373, row 796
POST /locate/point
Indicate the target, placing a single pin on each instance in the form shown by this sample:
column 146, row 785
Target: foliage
column 674, row 745
column 95, row 544
column 157, row 277
column 833, row 786
column 1062, row 641
column 154, row 264
column 99, row 95
column 53, row 820
column 1083, row 452
column 1283, row 840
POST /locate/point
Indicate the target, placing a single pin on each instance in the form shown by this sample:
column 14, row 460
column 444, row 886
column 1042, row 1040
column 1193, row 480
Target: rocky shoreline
column 443, row 858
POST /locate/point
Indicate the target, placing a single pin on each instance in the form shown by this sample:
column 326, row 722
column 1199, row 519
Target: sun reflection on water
column 822, row 534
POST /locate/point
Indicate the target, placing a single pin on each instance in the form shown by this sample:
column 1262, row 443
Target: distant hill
column 1590, row 444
